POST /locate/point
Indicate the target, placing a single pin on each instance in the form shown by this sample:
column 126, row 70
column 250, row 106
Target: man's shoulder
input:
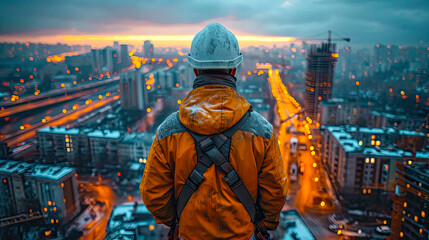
column 170, row 126
column 258, row 125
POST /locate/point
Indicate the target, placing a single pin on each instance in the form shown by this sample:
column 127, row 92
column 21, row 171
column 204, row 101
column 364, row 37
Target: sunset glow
column 158, row 40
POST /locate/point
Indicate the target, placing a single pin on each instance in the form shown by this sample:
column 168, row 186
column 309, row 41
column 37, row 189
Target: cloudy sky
column 173, row 22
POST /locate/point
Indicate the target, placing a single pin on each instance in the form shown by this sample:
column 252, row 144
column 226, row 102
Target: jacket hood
column 212, row 109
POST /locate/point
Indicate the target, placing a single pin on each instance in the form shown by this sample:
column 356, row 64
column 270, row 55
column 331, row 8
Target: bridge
column 52, row 97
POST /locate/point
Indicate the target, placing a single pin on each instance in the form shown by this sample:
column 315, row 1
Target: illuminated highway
column 55, row 93
column 310, row 194
column 103, row 193
column 20, row 130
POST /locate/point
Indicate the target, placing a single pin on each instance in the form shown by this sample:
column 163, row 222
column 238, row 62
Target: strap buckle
column 226, row 167
column 232, row 179
column 207, row 144
column 196, row 178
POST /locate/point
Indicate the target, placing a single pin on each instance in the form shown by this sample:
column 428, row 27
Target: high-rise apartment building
column 59, row 144
column 318, row 78
column 147, row 49
column 104, row 60
column 411, row 203
column 134, row 91
column 361, row 161
column 28, row 190
column 116, row 45
column 125, row 58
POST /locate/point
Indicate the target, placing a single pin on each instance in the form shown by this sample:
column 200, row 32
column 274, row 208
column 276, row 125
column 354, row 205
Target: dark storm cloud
column 365, row 21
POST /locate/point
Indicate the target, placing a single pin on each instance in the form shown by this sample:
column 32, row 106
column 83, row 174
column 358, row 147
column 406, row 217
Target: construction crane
column 329, row 39
column 24, row 217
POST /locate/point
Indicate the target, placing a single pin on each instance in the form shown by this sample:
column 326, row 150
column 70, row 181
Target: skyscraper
column 318, row 78
column 410, row 202
column 134, row 92
column 125, row 59
column 116, row 45
column 147, row 49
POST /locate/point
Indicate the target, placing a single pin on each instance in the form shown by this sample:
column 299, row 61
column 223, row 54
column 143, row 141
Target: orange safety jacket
column 214, row 211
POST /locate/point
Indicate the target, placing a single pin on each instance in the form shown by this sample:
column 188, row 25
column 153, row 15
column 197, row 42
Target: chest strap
column 214, row 149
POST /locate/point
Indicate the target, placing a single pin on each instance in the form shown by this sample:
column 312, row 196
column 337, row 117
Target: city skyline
column 341, row 87
column 174, row 24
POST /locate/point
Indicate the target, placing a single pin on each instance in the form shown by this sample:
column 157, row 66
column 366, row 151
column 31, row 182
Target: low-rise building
column 36, row 189
column 339, row 111
column 361, row 167
column 134, row 147
column 86, row 148
column 59, row 144
column 133, row 221
column 104, row 147
column 379, row 119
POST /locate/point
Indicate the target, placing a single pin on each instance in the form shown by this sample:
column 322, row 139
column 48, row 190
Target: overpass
column 52, row 97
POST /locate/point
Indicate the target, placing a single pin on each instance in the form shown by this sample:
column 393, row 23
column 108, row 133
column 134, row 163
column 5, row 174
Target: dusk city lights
column 336, row 90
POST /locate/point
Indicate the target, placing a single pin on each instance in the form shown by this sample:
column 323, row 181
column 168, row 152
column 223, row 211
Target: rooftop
column 104, row 134
column 34, row 170
column 394, row 116
column 294, row 226
column 350, row 144
column 138, row 137
column 130, row 213
column 59, row 130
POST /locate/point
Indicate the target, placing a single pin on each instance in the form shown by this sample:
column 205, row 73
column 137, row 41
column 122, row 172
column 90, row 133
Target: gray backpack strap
column 215, row 149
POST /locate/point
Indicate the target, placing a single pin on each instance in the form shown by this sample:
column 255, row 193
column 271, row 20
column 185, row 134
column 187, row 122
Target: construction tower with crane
column 321, row 61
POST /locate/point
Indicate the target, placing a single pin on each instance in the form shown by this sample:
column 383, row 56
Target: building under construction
column 318, row 78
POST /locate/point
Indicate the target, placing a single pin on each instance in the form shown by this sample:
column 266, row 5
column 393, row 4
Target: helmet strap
column 196, row 72
column 233, row 71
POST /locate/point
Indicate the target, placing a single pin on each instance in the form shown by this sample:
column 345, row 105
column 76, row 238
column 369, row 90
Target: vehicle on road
column 293, row 146
column 293, row 172
column 385, row 230
column 352, row 234
column 302, row 146
column 301, row 168
column 321, row 190
column 334, row 227
column 339, row 219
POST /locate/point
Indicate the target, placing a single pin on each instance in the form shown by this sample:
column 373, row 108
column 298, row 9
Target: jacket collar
column 218, row 78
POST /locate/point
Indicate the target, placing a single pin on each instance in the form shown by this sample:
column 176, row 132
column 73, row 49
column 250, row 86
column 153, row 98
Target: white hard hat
column 215, row 47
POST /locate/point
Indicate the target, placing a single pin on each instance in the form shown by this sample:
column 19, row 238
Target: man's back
column 214, row 211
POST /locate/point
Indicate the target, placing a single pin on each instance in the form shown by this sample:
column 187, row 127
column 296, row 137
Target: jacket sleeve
column 157, row 185
column 272, row 186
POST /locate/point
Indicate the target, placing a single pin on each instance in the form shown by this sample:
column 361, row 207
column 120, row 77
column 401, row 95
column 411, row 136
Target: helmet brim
column 215, row 64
